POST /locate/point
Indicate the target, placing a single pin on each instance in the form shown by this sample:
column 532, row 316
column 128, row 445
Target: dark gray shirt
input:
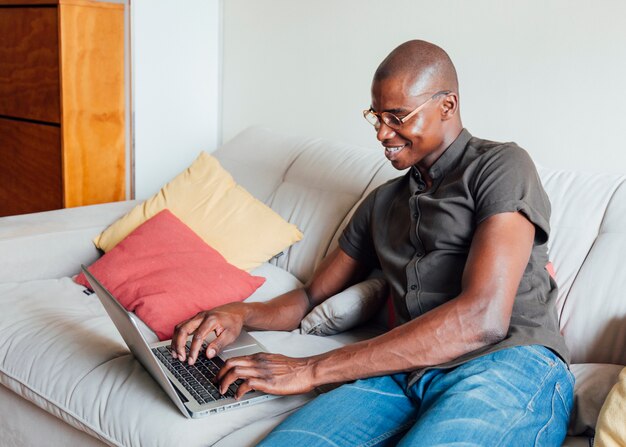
column 421, row 238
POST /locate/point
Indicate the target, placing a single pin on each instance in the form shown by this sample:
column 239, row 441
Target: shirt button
column 415, row 215
column 413, row 287
column 419, row 254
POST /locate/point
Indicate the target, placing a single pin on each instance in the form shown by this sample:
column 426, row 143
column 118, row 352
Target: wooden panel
column 29, row 64
column 92, row 73
column 27, row 2
column 30, row 171
column 119, row 5
column 92, row 91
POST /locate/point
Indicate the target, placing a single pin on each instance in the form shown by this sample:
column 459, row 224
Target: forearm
column 283, row 313
column 439, row 336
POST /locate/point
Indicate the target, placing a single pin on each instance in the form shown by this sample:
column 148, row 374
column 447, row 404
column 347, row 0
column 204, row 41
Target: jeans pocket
column 554, row 430
column 565, row 389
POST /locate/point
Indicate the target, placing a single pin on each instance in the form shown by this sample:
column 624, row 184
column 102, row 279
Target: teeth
column 394, row 149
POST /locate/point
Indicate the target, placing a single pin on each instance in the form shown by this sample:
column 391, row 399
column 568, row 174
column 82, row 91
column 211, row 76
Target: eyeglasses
column 392, row 120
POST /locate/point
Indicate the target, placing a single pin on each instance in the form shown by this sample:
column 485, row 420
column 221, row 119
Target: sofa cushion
column 277, row 282
column 205, row 196
column 166, row 274
column 58, row 326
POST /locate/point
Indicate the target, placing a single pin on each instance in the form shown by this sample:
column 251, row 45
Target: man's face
column 420, row 139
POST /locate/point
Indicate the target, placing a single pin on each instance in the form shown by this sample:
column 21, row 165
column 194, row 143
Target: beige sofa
column 68, row 379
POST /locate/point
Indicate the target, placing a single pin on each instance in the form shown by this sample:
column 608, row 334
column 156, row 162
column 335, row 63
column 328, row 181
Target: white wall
column 548, row 74
column 175, row 88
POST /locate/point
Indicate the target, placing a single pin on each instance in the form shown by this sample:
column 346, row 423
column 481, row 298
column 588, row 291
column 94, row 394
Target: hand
column 226, row 321
column 270, row 373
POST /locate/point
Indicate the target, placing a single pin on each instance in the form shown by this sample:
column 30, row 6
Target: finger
column 223, row 339
column 179, row 337
column 181, row 333
column 238, row 372
column 246, row 386
column 199, row 335
column 232, row 363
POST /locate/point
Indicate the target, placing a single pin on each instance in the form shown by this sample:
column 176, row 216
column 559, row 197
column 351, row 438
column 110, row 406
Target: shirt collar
column 447, row 160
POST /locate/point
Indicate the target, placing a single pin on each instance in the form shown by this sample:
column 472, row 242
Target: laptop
column 190, row 387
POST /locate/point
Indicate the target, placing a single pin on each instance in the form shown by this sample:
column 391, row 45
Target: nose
column 384, row 132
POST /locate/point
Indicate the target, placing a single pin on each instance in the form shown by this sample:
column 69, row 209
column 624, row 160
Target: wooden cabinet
column 61, row 104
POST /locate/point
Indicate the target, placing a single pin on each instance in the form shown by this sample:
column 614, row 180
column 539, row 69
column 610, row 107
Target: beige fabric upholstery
column 52, row 324
column 53, row 244
column 19, row 416
column 593, row 316
column 579, row 202
column 315, row 184
column 593, row 383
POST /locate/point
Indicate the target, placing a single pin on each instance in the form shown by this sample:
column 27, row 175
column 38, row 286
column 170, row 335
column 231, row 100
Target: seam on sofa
column 608, row 204
column 301, row 150
column 340, row 222
column 359, row 200
column 71, row 393
column 61, row 408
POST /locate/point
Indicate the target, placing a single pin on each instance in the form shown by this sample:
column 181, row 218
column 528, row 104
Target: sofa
column 68, row 379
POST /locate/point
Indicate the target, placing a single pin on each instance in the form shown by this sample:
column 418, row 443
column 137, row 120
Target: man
column 461, row 238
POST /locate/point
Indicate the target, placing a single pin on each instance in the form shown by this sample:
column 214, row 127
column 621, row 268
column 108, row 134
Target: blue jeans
column 520, row 396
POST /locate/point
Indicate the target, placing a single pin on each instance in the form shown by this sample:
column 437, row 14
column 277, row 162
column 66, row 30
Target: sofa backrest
column 587, row 244
column 317, row 185
column 312, row 183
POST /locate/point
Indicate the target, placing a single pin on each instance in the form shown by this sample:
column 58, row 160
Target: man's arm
column 284, row 313
column 479, row 316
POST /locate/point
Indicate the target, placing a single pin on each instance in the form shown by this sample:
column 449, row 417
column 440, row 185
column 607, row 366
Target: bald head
column 425, row 66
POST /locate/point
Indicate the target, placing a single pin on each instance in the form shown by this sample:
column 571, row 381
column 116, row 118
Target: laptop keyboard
column 198, row 378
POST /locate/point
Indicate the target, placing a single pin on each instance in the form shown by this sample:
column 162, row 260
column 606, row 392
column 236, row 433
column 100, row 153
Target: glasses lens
column 371, row 118
column 391, row 120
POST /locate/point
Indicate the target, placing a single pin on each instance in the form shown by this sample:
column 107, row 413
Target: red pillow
column 166, row 274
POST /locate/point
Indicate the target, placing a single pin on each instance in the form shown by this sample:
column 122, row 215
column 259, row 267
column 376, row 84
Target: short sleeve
column 508, row 181
column 356, row 239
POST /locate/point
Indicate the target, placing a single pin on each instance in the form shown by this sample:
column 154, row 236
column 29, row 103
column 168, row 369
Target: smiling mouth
column 392, row 151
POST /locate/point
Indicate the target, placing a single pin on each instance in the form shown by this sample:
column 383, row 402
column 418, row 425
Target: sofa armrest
column 53, row 244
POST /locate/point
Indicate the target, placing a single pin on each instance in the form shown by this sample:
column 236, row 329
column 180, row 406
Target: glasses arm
column 408, row 117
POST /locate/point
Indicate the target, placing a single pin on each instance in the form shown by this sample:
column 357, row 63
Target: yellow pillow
column 611, row 430
column 206, row 198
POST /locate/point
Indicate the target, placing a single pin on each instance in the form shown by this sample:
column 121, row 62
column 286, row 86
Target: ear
column 449, row 106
